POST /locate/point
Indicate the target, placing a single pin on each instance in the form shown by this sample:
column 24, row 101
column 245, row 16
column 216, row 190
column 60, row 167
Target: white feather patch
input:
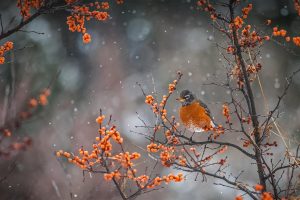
column 193, row 128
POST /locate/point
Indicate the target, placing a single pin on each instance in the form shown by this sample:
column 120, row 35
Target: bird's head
column 186, row 97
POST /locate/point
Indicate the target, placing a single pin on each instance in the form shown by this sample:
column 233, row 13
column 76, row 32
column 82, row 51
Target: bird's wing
column 213, row 124
column 205, row 107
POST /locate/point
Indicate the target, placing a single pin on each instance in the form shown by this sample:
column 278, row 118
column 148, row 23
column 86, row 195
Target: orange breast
column 194, row 116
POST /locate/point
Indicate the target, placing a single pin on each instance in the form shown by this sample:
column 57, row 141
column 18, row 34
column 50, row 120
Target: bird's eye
column 187, row 96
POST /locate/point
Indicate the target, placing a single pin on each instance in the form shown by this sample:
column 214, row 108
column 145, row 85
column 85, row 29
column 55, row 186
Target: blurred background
column 143, row 41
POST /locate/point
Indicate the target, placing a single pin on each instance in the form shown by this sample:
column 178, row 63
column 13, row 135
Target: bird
column 193, row 113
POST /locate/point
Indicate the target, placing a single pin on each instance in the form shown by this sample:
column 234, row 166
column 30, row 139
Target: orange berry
column 43, row 100
column 267, row 38
column 7, row 133
column 100, row 119
column 283, row 32
column 86, row 38
column 258, row 187
column 296, row 41
column 105, row 5
column 266, row 196
column 67, row 155
column 9, row 45
column 239, row 198
column 2, row 60
column 47, row 92
column 33, row 103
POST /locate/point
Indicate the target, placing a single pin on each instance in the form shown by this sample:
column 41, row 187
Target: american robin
column 193, row 113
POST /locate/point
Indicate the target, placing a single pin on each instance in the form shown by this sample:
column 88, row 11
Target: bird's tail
column 213, row 123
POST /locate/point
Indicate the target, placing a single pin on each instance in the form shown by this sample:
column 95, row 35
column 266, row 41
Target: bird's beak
column 180, row 99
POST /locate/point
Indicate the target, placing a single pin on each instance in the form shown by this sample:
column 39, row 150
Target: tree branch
column 252, row 107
